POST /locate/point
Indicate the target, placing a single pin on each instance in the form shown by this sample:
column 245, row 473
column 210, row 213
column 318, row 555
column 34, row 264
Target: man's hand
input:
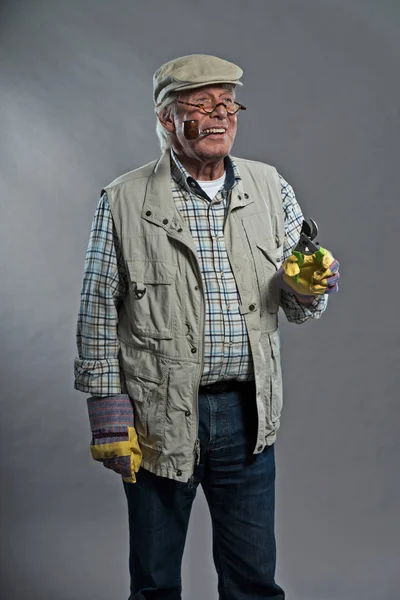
column 114, row 439
column 309, row 276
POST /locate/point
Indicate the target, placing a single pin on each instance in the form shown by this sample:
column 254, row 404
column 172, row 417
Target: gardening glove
column 310, row 275
column 114, row 438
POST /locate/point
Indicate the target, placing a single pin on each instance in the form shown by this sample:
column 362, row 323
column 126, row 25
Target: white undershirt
column 213, row 186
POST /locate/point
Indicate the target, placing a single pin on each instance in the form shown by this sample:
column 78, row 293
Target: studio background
column 321, row 83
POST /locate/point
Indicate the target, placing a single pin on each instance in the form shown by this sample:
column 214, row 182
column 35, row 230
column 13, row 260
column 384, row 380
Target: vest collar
column 159, row 206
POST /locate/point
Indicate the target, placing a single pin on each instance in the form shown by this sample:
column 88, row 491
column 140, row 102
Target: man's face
column 210, row 146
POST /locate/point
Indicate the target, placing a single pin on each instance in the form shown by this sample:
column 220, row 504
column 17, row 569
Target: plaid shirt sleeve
column 293, row 217
column 96, row 368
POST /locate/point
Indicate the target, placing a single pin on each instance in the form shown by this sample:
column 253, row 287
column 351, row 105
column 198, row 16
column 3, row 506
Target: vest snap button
column 179, row 473
column 165, row 221
column 179, row 230
column 187, row 413
column 193, row 350
column 148, row 213
column 239, row 197
column 259, row 448
column 246, row 196
column 252, row 307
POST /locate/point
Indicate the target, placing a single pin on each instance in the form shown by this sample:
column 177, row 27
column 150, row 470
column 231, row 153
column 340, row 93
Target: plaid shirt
column 226, row 348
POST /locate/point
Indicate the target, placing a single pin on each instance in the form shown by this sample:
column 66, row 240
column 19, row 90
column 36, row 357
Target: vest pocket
column 149, row 396
column 271, row 259
column 267, row 253
column 151, row 297
column 140, row 396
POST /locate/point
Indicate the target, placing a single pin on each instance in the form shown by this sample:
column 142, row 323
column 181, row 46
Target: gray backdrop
column 322, row 90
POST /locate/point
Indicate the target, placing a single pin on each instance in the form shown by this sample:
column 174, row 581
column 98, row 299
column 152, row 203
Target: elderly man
column 189, row 259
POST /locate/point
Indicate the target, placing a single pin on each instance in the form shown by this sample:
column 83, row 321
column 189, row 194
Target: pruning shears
column 309, row 232
column 307, row 245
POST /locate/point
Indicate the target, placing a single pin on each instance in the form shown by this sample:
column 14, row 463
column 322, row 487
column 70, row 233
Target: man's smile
column 213, row 131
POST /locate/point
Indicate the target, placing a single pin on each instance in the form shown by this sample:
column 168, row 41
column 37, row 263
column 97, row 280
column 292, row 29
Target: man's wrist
column 305, row 300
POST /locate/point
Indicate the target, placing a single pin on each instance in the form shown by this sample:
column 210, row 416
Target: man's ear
column 166, row 119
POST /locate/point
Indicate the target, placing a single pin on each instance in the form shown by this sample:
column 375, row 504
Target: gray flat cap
column 193, row 71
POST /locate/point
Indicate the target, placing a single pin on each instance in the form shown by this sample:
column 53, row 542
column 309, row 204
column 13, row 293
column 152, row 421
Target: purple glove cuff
column 110, row 414
column 111, row 435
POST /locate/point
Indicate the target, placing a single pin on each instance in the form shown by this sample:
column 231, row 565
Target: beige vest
column 160, row 367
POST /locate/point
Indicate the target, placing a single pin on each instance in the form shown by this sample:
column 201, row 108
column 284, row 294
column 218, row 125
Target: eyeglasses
column 208, row 106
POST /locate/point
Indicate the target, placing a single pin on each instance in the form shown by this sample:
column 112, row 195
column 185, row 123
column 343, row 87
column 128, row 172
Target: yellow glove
column 311, row 275
column 114, row 439
column 123, row 457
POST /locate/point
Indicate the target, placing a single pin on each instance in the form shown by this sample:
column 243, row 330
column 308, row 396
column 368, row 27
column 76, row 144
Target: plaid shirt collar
column 181, row 176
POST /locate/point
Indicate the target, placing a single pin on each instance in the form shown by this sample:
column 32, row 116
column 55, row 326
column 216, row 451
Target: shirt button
column 228, row 307
column 222, row 274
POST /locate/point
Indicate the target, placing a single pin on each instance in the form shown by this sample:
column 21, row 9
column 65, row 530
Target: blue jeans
column 240, row 491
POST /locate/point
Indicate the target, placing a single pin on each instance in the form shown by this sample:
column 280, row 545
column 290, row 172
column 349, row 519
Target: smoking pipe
column 191, row 129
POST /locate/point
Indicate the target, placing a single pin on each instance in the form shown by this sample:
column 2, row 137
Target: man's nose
column 220, row 109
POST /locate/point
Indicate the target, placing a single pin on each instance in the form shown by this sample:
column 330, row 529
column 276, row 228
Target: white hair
column 166, row 109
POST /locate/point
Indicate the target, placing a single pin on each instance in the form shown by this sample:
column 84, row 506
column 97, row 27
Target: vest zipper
column 200, row 349
column 196, row 451
column 240, row 298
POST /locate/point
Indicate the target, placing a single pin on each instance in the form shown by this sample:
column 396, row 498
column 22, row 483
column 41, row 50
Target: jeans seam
column 225, row 587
